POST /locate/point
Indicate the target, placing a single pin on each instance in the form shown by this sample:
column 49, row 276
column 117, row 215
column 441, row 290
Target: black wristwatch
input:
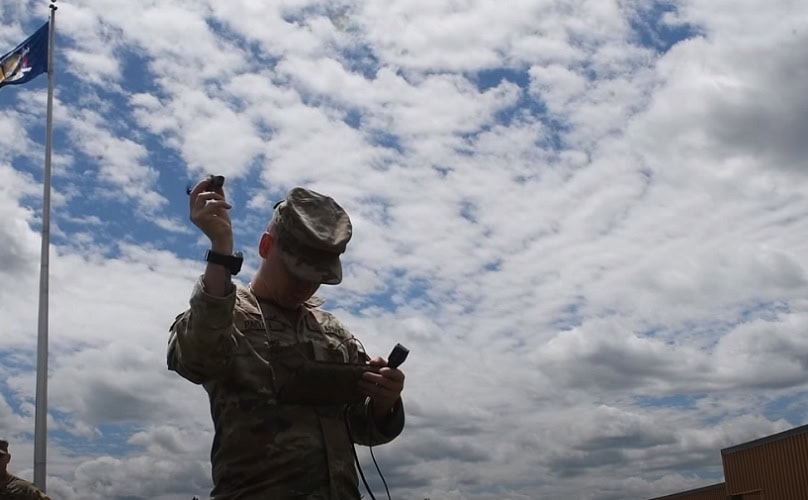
column 231, row 262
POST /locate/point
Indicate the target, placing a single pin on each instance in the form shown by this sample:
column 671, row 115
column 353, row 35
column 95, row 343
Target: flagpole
column 41, row 416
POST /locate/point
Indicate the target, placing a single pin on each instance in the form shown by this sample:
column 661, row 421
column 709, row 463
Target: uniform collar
column 251, row 299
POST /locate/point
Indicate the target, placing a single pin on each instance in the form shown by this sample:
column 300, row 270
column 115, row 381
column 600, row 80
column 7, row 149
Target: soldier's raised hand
column 209, row 212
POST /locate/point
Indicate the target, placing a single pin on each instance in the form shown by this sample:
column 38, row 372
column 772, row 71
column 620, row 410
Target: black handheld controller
column 397, row 356
column 215, row 183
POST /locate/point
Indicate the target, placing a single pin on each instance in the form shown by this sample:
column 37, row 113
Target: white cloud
column 596, row 262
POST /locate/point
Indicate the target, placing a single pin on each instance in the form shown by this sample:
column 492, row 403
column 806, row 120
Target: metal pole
column 41, row 417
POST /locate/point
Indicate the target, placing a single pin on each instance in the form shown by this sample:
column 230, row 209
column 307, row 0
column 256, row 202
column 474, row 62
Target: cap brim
column 325, row 272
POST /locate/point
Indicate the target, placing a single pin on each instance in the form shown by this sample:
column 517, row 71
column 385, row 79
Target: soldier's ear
column 267, row 240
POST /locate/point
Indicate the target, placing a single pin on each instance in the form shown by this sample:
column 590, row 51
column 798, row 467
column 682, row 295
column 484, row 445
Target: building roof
column 765, row 440
column 691, row 492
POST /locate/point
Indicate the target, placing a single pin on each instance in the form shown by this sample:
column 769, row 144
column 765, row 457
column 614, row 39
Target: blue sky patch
column 654, row 31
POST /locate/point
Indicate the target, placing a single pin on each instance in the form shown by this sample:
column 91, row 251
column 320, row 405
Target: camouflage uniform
column 237, row 348
column 14, row 488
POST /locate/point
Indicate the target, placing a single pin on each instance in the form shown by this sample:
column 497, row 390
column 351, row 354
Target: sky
column 586, row 219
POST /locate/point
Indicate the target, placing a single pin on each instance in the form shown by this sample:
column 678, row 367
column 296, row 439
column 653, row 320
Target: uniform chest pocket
column 328, row 345
column 330, row 351
column 287, row 361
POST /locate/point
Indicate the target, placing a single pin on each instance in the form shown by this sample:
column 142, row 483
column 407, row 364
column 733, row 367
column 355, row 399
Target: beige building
column 771, row 468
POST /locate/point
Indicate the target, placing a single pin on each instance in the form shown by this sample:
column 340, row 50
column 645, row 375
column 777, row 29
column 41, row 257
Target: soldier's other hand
column 209, row 212
column 384, row 388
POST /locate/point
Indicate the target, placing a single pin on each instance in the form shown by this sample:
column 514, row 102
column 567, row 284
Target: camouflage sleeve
column 365, row 430
column 201, row 342
column 26, row 491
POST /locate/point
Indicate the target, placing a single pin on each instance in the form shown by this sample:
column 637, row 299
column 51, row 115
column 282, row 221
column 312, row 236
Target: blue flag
column 27, row 61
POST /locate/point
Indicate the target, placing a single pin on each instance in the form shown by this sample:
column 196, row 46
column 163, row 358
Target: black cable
column 369, row 416
column 380, row 472
column 353, row 449
column 358, row 466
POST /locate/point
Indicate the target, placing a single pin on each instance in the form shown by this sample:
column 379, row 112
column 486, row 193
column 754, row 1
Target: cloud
column 584, row 218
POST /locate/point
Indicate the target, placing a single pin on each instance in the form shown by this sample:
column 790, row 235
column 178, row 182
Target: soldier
column 237, row 342
column 12, row 487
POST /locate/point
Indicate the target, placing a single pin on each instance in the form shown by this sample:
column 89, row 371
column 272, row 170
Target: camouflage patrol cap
column 3, row 447
column 313, row 231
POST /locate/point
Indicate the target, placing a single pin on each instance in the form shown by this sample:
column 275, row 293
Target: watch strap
column 231, row 262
